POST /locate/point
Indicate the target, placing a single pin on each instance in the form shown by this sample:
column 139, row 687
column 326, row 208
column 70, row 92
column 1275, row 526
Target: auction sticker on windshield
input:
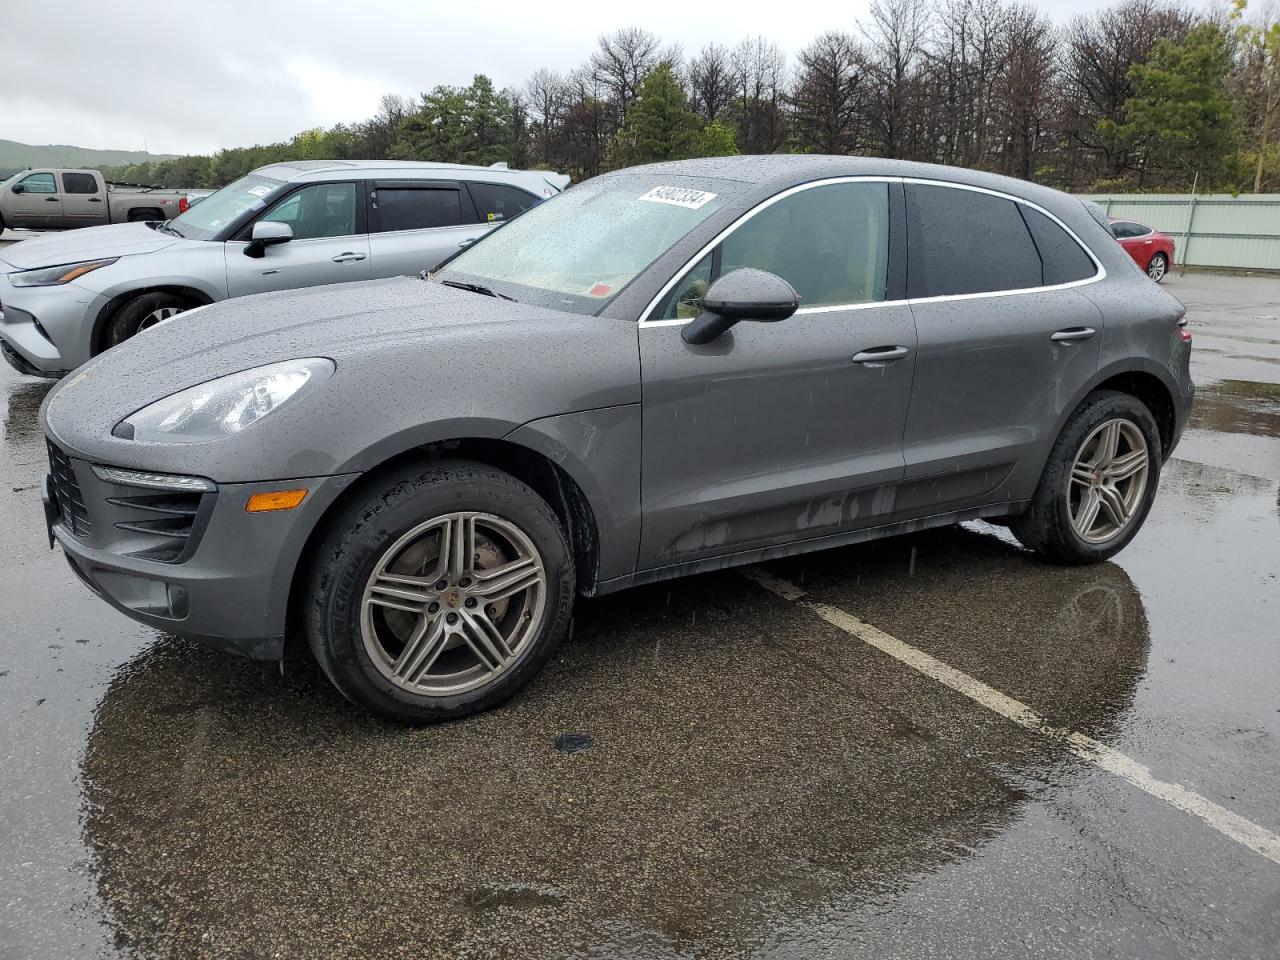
column 679, row 196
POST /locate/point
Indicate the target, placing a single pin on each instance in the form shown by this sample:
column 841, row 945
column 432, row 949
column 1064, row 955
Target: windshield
column 580, row 249
column 204, row 220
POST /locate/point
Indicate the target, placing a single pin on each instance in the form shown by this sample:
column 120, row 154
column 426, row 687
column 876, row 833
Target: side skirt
column 744, row 557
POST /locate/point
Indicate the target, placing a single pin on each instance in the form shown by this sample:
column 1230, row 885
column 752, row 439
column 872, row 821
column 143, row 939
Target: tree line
column 1143, row 95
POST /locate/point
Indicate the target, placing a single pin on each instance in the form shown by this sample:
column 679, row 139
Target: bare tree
column 759, row 70
column 377, row 135
column 711, row 81
column 965, row 63
column 1026, row 90
column 895, row 39
column 1099, row 50
column 828, row 97
column 585, row 126
column 546, row 93
column 620, row 63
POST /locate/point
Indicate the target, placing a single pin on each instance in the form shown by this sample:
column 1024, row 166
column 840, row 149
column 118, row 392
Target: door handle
column 1072, row 334
column 95, row 199
column 467, row 242
column 51, row 199
column 1150, row 242
column 349, row 257
column 878, row 355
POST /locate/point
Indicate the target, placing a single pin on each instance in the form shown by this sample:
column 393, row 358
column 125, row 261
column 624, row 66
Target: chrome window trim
column 1100, row 270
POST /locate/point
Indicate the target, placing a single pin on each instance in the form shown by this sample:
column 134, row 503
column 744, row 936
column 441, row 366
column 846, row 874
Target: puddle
column 1238, row 406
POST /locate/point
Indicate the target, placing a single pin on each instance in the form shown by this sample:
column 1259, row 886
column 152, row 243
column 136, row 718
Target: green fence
column 1209, row 230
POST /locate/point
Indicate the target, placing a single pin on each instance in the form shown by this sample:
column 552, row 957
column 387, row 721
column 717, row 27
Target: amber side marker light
column 276, row 500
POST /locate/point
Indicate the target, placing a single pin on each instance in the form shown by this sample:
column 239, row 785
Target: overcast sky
column 190, row 77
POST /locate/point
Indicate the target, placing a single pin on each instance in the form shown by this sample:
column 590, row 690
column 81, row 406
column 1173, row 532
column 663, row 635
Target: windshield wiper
column 477, row 288
column 164, row 227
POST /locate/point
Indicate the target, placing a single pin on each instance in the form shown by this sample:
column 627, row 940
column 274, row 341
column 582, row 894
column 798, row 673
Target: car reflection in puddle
column 751, row 766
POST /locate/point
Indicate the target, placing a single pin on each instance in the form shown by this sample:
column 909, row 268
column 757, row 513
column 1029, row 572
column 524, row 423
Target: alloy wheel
column 453, row 604
column 1108, row 480
column 158, row 316
column 1156, row 268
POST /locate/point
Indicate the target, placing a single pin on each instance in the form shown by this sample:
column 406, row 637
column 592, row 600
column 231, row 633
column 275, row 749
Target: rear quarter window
column 961, row 241
column 1064, row 261
column 496, row 202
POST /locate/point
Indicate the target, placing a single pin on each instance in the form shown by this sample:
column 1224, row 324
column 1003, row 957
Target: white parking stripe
column 1243, row 831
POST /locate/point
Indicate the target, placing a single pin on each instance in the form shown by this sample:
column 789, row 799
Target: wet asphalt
column 759, row 783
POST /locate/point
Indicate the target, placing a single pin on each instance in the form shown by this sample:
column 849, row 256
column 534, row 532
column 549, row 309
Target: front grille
column 66, row 490
column 167, row 520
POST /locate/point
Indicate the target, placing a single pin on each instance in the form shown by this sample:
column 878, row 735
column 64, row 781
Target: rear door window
column 496, row 202
column 961, row 241
column 416, row 208
column 1062, row 258
column 79, row 183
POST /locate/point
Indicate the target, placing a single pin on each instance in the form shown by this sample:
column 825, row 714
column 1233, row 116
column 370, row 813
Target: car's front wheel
column 439, row 592
column 141, row 313
column 1157, row 267
column 1098, row 484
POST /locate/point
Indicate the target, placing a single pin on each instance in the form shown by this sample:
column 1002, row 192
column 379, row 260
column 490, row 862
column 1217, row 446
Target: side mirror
column 742, row 294
column 19, row 188
column 267, row 233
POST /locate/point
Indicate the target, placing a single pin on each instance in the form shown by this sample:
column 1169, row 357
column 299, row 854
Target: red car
column 1150, row 249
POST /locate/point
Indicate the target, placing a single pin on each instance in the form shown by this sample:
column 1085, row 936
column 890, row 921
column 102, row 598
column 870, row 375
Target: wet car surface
column 758, row 781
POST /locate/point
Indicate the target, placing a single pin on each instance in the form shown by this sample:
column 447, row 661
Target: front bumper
column 225, row 584
column 46, row 331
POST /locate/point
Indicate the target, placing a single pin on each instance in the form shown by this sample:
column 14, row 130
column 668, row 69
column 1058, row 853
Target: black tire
column 1162, row 262
column 1046, row 525
column 385, row 510
column 142, row 216
column 133, row 315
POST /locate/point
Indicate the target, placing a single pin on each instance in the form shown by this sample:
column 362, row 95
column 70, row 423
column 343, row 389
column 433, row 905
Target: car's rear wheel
column 1157, row 267
column 439, row 592
column 1098, row 484
column 142, row 312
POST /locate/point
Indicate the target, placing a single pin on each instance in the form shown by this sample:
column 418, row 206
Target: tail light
column 1184, row 332
column 183, row 205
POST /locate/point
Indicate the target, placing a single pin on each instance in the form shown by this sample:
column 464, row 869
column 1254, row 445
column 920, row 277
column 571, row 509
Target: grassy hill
column 16, row 156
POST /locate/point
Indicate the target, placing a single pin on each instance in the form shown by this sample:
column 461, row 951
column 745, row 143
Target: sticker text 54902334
column 679, row 196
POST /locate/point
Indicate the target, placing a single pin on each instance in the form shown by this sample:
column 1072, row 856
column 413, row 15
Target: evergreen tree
column 660, row 125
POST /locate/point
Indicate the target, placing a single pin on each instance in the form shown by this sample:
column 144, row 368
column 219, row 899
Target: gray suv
column 665, row 370
column 64, row 299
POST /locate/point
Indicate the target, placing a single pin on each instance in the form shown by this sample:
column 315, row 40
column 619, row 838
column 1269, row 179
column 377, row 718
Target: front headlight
column 54, row 276
column 224, row 406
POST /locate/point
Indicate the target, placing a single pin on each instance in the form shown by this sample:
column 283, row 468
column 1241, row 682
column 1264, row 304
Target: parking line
column 1243, row 831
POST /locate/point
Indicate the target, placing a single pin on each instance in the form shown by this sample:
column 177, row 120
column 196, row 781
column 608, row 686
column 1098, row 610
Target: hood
column 413, row 349
column 87, row 243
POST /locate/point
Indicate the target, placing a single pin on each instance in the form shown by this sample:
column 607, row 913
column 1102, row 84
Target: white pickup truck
column 50, row 199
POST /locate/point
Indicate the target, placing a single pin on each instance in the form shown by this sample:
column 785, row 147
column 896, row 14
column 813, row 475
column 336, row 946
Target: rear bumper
column 229, row 591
